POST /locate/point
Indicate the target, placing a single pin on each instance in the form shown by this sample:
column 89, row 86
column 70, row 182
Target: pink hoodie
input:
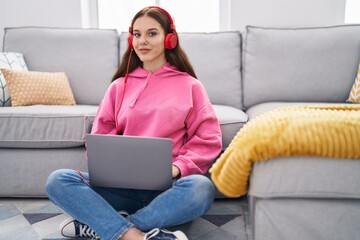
column 168, row 104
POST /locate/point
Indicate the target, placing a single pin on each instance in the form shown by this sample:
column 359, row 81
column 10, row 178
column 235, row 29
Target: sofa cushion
column 9, row 60
column 89, row 57
column 44, row 126
column 300, row 64
column 30, row 88
column 231, row 120
column 216, row 58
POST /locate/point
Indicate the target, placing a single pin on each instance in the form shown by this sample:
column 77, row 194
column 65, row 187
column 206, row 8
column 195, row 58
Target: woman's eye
column 152, row 34
column 137, row 34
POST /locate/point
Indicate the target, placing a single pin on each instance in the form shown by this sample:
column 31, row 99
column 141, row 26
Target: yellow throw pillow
column 31, row 88
column 354, row 96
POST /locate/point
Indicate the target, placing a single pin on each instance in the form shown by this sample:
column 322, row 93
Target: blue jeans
column 188, row 198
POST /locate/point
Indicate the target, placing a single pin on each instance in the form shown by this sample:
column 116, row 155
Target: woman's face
column 148, row 42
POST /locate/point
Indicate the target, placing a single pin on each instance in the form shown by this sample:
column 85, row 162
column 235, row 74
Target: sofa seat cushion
column 231, row 120
column 306, row 177
column 43, row 126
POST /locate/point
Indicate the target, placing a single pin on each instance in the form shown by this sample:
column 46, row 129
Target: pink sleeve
column 104, row 122
column 203, row 142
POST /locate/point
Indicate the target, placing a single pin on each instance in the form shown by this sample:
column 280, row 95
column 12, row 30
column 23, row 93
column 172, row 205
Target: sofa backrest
column 216, row 58
column 302, row 64
column 89, row 57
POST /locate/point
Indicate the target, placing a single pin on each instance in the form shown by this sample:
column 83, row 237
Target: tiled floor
column 39, row 219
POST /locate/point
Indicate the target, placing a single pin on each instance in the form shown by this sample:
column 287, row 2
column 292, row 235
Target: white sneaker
column 157, row 234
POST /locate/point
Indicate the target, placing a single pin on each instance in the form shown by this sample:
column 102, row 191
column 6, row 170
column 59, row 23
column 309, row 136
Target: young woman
column 154, row 93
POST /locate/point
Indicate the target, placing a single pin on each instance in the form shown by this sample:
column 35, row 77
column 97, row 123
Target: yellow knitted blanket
column 327, row 131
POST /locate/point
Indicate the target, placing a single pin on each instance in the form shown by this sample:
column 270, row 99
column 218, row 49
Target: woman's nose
column 143, row 40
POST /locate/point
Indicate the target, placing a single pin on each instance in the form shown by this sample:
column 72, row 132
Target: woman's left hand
column 175, row 171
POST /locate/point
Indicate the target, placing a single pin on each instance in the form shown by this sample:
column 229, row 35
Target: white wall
column 286, row 13
column 53, row 13
column 352, row 11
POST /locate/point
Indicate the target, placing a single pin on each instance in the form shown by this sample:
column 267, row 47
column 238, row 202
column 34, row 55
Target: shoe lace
column 86, row 231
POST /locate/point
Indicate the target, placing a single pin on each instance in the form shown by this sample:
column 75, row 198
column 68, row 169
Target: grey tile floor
column 39, row 219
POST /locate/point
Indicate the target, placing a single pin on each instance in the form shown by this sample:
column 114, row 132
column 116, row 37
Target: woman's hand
column 175, row 171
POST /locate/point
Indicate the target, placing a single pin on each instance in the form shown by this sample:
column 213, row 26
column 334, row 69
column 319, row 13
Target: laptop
column 118, row 161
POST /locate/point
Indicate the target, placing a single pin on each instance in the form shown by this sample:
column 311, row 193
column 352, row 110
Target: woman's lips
column 144, row 50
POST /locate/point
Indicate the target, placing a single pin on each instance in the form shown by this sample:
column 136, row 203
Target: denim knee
column 202, row 190
column 201, row 184
column 56, row 180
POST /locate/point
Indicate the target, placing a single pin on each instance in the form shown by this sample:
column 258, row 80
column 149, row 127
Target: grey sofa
column 245, row 74
column 36, row 140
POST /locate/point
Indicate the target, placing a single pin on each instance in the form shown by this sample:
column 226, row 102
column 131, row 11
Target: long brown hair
column 176, row 56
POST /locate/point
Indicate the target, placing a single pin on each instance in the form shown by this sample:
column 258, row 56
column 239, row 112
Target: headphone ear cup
column 171, row 40
column 130, row 41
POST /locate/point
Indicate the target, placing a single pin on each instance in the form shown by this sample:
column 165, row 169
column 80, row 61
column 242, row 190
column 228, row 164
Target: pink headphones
column 170, row 38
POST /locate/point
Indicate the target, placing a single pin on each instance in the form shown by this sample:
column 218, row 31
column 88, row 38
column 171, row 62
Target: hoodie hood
column 166, row 71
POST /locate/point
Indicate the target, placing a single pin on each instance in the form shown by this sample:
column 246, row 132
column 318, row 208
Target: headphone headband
column 172, row 25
